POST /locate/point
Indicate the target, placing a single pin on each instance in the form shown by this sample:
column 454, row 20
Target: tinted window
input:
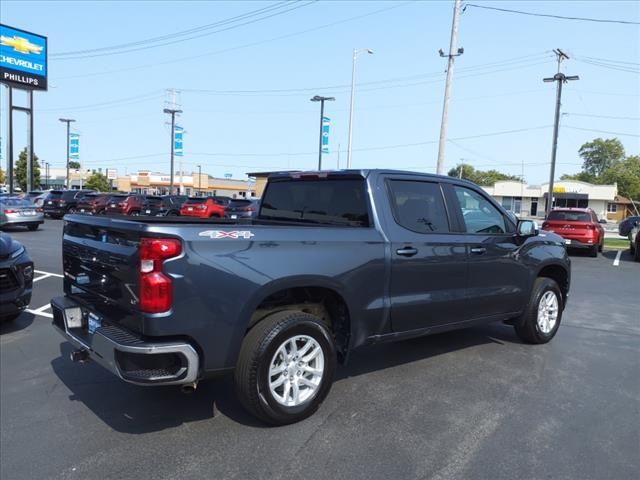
column 333, row 202
column 567, row 216
column 239, row 203
column 197, row 200
column 54, row 195
column 419, row 206
column 16, row 202
column 479, row 214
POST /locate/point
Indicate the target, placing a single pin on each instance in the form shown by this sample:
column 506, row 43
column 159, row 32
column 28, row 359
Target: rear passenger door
column 498, row 281
column 428, row 260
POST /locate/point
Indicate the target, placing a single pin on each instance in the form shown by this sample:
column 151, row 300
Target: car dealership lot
column 469, row 404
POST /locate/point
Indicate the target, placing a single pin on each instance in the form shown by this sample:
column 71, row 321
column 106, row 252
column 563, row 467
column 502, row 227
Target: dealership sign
column 23, row 59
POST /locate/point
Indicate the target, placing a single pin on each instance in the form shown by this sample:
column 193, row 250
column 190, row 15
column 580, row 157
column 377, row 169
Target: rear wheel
column 286, row 367
column 541, row 320
column 601, row 245
column 593, row 251
column 10, row 318
column 135, row 213
column 636, row 253
column 33, row 228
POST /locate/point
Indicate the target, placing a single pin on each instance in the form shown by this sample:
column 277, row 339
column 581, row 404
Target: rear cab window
column 419, row 206
column 568, row 216
column 333, row 201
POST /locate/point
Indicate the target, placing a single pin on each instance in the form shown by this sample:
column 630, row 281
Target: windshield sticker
column 246, row 234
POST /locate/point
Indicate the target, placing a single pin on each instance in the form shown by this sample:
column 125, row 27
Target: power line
column 619, row 68
column 559, row 17
column 604, row 131
column 608, row 60
column 610, row 117
column 118, row 51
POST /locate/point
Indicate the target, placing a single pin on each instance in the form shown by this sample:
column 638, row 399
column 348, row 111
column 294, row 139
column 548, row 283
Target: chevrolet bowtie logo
column 21, row 45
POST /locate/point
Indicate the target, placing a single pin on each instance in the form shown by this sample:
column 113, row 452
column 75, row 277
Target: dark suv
column 124, row 204
column 168, row 205
column 93, row 203
column 60, row 202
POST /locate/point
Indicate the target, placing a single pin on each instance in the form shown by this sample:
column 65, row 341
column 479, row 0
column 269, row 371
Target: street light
column 172, row 112
column 356, row 52
column 68, row 122
column 46, row 174
column 320, row 99
column 199, row 177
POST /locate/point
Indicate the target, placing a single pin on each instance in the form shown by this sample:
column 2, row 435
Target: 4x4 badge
column 246, row 234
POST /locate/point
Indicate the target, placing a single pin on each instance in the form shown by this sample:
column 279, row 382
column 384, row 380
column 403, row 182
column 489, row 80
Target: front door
column 498, row 281
column 428, row 260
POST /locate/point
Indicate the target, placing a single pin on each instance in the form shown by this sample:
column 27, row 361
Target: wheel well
column 561, row 277
column 322, row 302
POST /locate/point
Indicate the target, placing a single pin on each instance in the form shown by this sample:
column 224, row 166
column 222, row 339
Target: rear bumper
column 18, row 221
column 127, row 356
column 582, row 243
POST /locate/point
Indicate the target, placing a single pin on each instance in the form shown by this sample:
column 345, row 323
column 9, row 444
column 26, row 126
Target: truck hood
column 8, row 245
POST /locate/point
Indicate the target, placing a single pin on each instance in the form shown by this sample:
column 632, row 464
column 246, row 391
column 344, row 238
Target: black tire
column 135, row 213
column 527, row 327
column 10, row 318
column 601, row 245
column 636, row 253
column 33, row 228
column 257, row 351
column 593, row 251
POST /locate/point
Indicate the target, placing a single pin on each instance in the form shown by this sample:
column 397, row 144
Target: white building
column 531, row 200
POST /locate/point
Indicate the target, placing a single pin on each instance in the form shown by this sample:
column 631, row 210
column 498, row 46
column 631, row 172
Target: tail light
column 155, row 287
column 122, row 204
column 545, row 225
column 202, row 207
column 591, row 227
column 10, row 210
column 39, row 210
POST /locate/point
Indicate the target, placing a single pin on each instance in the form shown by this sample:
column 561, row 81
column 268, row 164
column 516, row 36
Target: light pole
column 199, row 178
column 356, row 52
column 46, row 174
column 172, row 112
column 68, row 122
column 320, row 99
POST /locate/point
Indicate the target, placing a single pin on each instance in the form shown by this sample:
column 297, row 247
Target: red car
column 578, row 226
column 126, row 204
column 204, row 207
column 93, row 203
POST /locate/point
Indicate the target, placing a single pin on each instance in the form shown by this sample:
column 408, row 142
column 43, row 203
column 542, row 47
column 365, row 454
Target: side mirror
column 527, row 228
column 602, row 220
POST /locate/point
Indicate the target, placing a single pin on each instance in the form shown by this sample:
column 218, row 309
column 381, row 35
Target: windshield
column 570, row 216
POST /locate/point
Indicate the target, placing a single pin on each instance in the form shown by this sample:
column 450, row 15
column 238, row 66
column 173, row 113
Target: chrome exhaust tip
column 189, row 387
column 79, row 356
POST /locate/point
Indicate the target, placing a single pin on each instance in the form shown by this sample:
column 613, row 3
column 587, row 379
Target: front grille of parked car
column 8, row 280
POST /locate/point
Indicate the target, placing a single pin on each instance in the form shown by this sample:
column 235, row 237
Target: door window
column 480, row 215
column 419, row 206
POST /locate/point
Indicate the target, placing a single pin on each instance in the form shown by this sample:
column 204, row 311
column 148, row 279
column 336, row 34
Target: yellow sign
column 559, row 189
column 21, row 45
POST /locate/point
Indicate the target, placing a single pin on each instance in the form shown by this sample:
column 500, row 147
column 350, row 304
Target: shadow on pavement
column 132, row 409
column 20, row 323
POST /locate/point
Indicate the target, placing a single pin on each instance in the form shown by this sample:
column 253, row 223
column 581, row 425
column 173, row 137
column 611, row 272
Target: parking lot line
column 42, row 277
column 41, row 311
column 616, row 262
column 49, row 274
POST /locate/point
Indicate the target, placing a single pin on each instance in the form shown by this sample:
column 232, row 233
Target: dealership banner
column 177, row 141
column 74, row 147
column 326, row 121
column 23, row 59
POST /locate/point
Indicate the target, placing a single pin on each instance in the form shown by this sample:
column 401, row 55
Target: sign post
column 23, row 65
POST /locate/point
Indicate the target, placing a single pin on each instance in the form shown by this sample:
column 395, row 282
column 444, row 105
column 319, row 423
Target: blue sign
column 228, row 175
column 178, row 132
column 326, row 121
column 23, row 59
column 74, row 146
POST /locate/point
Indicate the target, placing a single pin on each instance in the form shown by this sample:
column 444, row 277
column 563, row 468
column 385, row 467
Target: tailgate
column 573, row 229
column 100, row 264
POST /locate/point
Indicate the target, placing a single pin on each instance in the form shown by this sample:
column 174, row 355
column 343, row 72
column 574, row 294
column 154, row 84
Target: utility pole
column 199, row 177
column 172, row 112
column 320, row 99
column 447, row 87
column 68, row 122
column 356, row 52
column 560, row 78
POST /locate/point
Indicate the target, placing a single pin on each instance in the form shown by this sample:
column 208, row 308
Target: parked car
column 93, row 203
column 634, row 240
column 578, row 226
column 36, row 197
column 167, row 205
column 625, row 226
column 240, row 208
column 19, row 212
column 335, row 261
column 16, row 278
column 204, row 207
column 124, row 204
column 60, row 202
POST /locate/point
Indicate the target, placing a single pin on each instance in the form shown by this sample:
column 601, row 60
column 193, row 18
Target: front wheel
column 286, row 367
column 541, row 320
column 33, row 228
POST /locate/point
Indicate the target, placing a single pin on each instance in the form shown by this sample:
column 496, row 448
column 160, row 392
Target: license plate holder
column 233, row 217
column 148, row 211
column 94, row 322
column 567, row 242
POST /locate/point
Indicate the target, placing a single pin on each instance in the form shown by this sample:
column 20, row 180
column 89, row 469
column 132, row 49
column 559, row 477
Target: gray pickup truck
column 334, row 261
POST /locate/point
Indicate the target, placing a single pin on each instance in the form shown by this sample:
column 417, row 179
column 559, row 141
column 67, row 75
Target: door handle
column 478, row 250
column 407, row 251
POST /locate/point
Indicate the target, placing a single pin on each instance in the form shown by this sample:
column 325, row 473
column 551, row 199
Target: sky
column 244, row 85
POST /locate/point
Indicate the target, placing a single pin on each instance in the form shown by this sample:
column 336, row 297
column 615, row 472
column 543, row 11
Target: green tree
column 581, row 176
column 73, row 164
column 626, row 173
column 21, row 170
column 99, row 182
column 2, row 176
column 599, row 155
column 480, row 177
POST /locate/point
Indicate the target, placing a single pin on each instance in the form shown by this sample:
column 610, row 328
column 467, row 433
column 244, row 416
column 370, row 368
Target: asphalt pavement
column 469, row 404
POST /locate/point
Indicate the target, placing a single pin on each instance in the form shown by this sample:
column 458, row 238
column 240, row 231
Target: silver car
column 20, row 212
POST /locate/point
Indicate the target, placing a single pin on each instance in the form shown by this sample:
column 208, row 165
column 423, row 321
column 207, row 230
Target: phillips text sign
column 23, row 59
